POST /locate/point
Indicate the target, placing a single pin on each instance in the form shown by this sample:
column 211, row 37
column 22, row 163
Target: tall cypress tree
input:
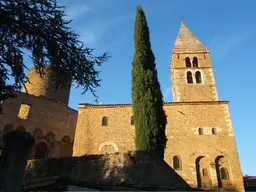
column 149, row 116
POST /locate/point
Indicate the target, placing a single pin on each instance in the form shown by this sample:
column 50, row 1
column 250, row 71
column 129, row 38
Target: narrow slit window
column 176, row 163
column 24, row 111
column 198, row 77
column 132, row 120
column 214, row 131
column 200, row 131
column 189, row 78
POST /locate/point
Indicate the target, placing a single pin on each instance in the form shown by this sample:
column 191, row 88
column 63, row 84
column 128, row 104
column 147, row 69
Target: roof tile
column 187, row 42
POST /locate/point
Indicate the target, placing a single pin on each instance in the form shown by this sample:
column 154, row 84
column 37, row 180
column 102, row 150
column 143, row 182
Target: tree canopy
column 39, row 27
column 149, row 116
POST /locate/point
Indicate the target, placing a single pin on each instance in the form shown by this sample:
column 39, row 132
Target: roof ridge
column 126, row 104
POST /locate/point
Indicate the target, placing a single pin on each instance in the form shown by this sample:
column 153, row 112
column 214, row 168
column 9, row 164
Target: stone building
column 44, row 112
column 201, row 146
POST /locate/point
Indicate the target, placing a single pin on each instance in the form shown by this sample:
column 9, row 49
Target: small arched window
column 176, row 163
column 198, row 77
column 189, row 78
column 66, row 139
column 187, row 61
column 224, row 173
column 195, row 62
column 200, row 131
column 204, row 171
column 41, row 151
column 104, row 121
column 132, row 120
column 214, row 131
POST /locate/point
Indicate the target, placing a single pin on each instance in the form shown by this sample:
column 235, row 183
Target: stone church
column 201, row 145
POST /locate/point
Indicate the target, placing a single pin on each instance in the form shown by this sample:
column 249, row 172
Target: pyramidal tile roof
column 187, row 42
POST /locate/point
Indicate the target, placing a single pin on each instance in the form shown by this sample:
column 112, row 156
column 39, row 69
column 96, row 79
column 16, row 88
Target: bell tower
column 191, row 69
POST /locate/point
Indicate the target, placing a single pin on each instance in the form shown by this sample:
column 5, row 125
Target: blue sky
column 227, row 28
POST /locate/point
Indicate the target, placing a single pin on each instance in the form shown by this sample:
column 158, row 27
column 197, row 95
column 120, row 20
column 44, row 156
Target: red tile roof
column 249, row 177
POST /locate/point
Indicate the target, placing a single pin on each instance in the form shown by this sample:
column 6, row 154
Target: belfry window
column 187, row 61
column 198, row 77
column 224, row 173
column 189, row 78
column 104, row 121
column 195, row 62
column 176, row 163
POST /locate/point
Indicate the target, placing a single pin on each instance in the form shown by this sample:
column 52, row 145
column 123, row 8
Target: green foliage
column 39, row 28
column 149, row 116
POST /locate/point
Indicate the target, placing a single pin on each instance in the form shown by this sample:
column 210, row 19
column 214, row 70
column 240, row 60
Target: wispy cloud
column 95, row 30
column 74, row 11
column 223, row 43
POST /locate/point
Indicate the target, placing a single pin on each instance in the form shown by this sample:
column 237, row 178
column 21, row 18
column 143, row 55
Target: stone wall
column 141, row 169
column 51, row 123
column 183, row 122
column 182, row 91
column 44, row 85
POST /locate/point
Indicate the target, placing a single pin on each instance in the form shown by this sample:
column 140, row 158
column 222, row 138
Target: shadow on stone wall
column 16, row 150
column 140, row 170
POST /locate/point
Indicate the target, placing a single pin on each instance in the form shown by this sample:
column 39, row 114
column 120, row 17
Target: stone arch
column 202, row 172
column 66, row 148
column 222, row 164
column 41, row 151
column 50, row 136
column 38, row 133
column 108, row 147
column 21, row 128
column 7, row 129
column 39, row 137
